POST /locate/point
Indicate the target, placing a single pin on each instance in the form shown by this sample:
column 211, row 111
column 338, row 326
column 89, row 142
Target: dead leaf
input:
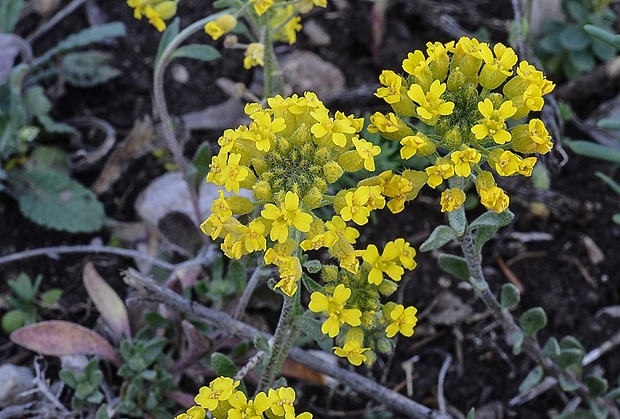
column 595, row 254
column 59, row 338
column 139, row 142
column 107, row 301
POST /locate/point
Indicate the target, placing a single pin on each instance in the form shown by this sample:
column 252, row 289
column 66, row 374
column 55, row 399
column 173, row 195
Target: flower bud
column 313, row 198
column 384, row 345
column 301, row 135
column 240, row 205
column 456, row 80
column 387, row 287
column 329, row 273
column 351, row 161
column 452, row 139
column 261, row 191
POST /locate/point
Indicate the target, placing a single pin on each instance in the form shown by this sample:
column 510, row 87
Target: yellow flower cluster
column 156, row 11
column 222, row 399
column 469, row 96
column 283, row 21
column 290, row 157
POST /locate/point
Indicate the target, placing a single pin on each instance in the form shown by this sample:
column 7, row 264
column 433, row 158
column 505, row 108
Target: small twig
column 512, row 277
column 516, row 6
column 361, row 384
column 82, row 159
column 442, row 376
column 56, row 250
column 251, row 363
column 60, row 15
column 44, row 389
column 248, row 291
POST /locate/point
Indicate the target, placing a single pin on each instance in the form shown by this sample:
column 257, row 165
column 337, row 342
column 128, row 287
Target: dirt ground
column 550, row 249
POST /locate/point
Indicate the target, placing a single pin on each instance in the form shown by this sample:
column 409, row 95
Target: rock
column 13, row 381
column 306, row 71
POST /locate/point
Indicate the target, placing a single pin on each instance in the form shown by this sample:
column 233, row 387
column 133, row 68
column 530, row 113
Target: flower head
column 333, row 307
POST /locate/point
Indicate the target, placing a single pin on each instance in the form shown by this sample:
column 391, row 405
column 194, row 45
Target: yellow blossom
column 416, row 144
column 242, row 408
column 493, row 124
column 443, row 169
column 463, row 160
column 333, row 307
column 431, row 103
column 367, row 151
column 505, row 162
column 452, row 199
column 286, row 215
column 261, row 6
column 338, row 228
column 220, row 26
column 254, row 56
column 494, row 198
column 219, row 390
column 282, row 400
column 290, row 274
column 497, row 68
column 353, row 351
column 194, row 412
column 383, row 263
column 393, row 84
column 401, row 320
column 335, row 129
column 234, row 173
column 406, row 253
column 355, row 208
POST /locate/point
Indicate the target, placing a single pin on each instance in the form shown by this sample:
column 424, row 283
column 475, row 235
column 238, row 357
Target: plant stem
column 278, row 345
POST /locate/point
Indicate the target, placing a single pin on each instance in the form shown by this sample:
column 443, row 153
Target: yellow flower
column 494, row 198
column 393, row 84
column 416, row 144
column 443, row 169
column 367, row 151
column 353, row 351
column 290, row 274
column 497, row 69
column 220, row 26
column 431, row 104
column 335, row 129
column 382, row 264
column 338, row 227
column 493, row 124
column 355, row 208
column 463, row 159
column 401, row 320
column 254, row 56
column 263, row 129
column 234, row 173
column 242, row 408
column 282, row 400
column 452, row 199
column 504, row 162
column 333, row 307
column 159, row 12
column 406, row 253
column 194, row 412
column 261, row 6
column 219, row 390
column 286, row 215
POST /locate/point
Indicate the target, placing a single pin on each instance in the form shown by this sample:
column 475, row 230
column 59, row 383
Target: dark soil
column 557, row 273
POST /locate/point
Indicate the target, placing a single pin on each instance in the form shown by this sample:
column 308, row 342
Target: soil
column 550, row 249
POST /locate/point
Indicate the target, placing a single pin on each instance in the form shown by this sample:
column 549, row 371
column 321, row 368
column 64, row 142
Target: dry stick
column 516, row 6
column 62, row 13
column 52, row 251
column 530, row 345
column 223, row 321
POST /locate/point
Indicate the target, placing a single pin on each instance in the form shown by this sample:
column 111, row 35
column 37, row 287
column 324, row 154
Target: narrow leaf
column 597, row 151
column 60, row 338
column 440, row 236
column 107, row 301
column 458, row 221
column 310, row 284
column 310, row 327
column 169, row 34
column 492, row 219
column 609, row 123
column 223, row 365
column 609, row 181
column 596, row 385
column 531, row 379
column 197, row 52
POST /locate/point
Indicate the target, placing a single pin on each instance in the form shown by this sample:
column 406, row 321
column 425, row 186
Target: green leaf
column 613, row 394
column 197, row 52
column 550, row 44
column 51, row 296
column 172, row 30
column 531, row 379
column 602, row 50
column 515, row 339
column 454, row 265
column 440, row 236
column 609, row 181
column 223, row 365
column 596, row 385
column 68, row 378
column 311, row 327
column 56, row 201
column 483, row 235
column 597, row 151
column 574, row 38
column 577, row 414
column 13, row 320
column 236, row 275
column 55, row 127
column 36, row 102
column 600, row 34
column 313, row 266
column 533, row 320
column 582, row 60
column 551, row 349
column 510, row 296
column 458, row 221
column 261, row 343
column 492, row 219
column 471, row 414
column 84, row 38
column 609, row 123
column 310, row 284
column 616, row 218
column 88, row 68
column 568, row 384
column 102, row 412
column 200, row 164
column 9, row 14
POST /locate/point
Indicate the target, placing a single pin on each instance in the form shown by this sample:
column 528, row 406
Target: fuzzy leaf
column 454, row 265
column 515, row 340
column 56, row 201
column 601, row 34
column 531, row 379
column 533, row 320
column 483, row 235
column 88, row 68
column 310, row 284
column 574, row 38
column 568, row 385
column 311, row 327
column 172, row 30
column 609, row 123
column 596, row 385
column 582, row 60
column 440, row 236
column 84, row 38
column 551, row 348
column 597, row 151
column 51, row 296
column 107, row 301
column 59, row 338
column 223, row 365
column 492, row 219
column 458, row 221
column 510, row 296
column 197, row 52
column 236, row 275
column 9, row 14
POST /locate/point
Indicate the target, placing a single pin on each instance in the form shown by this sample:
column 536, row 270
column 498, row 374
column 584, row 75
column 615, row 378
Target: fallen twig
column 226, row 323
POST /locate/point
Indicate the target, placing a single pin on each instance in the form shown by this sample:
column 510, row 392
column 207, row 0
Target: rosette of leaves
column 566, row 47
column 42, row 185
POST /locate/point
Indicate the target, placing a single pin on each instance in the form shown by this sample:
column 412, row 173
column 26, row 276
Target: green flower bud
column 313, row 198
column 329, row 273
column 301, row 136
column 456, row 80
column 240, row 205
column 332, row 171
column 384, row 345
column 351, row 161
column 387, row 287
column 452, row 139
column 261, row 191
column 371, row 357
